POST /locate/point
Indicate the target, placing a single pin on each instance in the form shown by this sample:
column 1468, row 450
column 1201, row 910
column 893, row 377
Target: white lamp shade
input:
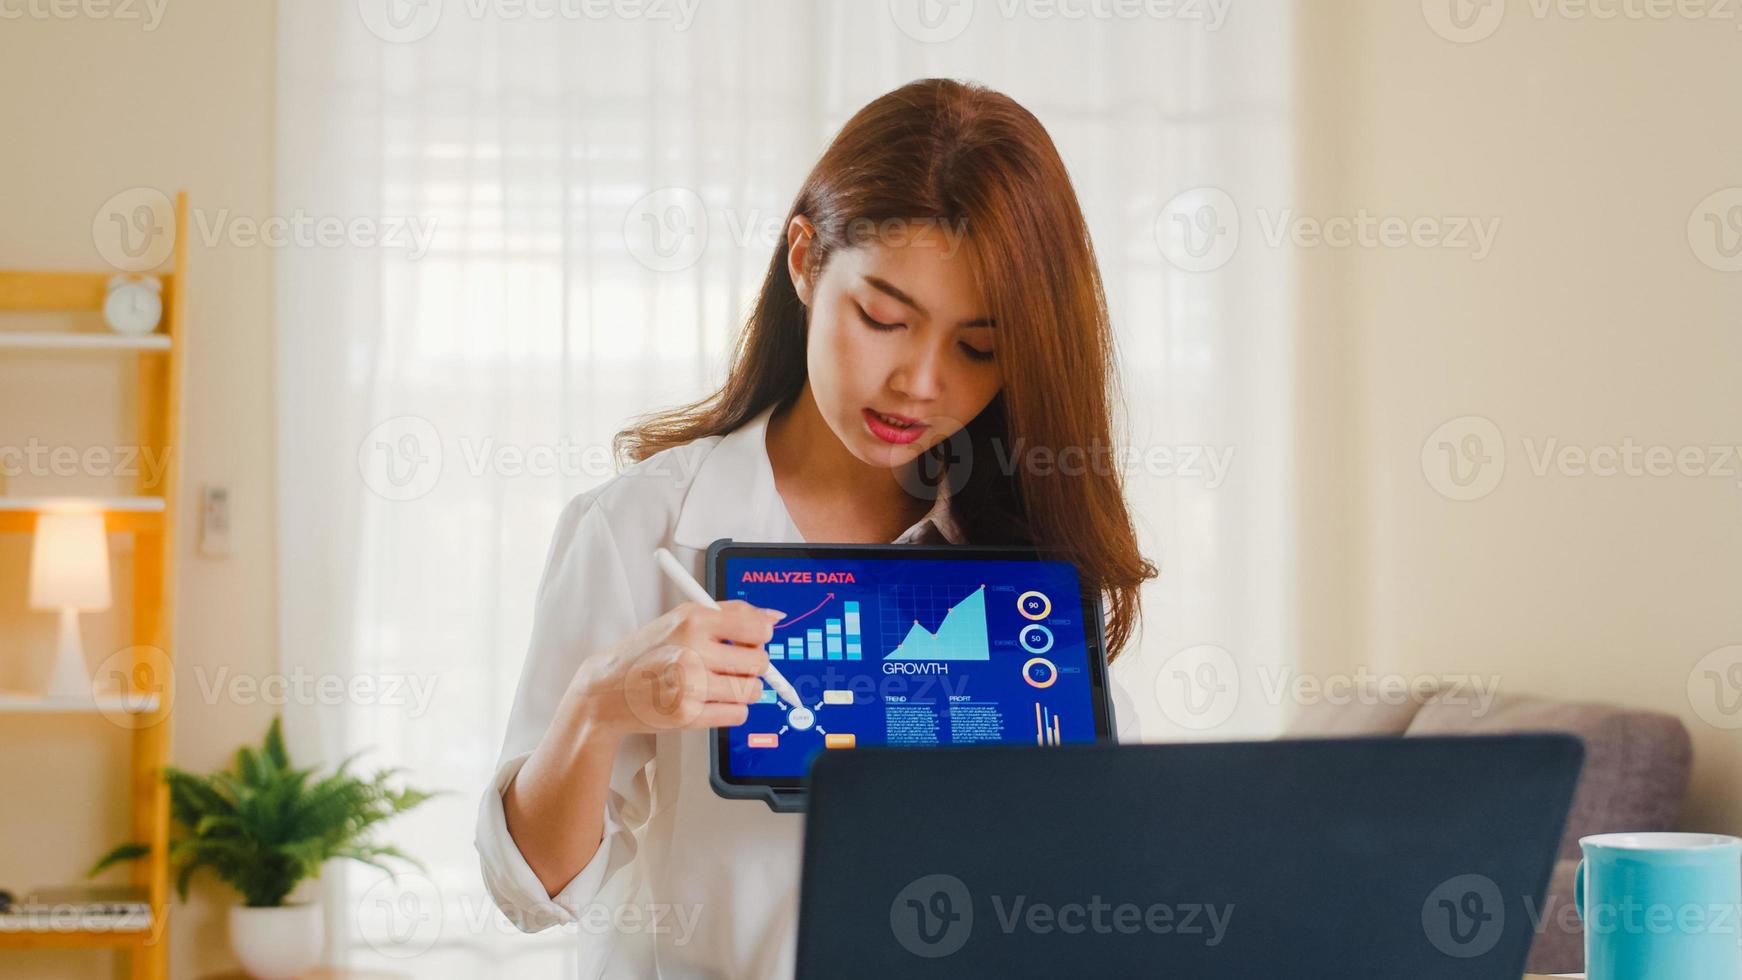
column 69, row 563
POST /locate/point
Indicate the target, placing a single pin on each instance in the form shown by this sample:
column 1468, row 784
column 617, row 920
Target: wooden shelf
column 69, row 340
column 121, row 514
column 15, row 938
column 143, row 504
column 17, row 703
column 151, row 513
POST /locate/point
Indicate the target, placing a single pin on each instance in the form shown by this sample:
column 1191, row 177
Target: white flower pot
column 278, row 943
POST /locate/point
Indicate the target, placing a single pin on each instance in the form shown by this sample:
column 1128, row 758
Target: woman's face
column 902, row 347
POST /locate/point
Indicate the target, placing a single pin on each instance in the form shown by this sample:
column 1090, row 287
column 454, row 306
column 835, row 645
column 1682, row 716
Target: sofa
column 1637, row 765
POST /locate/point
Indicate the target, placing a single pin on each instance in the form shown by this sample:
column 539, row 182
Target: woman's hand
column 679, row 671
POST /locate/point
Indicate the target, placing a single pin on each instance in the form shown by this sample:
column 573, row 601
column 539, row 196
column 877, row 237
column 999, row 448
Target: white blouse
column 684, row 884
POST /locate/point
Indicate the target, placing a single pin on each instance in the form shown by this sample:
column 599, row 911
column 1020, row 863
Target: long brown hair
column 961, row 154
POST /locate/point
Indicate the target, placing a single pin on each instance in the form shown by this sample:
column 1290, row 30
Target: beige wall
column 93, row 107
column 1593, row 321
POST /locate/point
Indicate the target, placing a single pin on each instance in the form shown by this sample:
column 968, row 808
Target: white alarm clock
column 134, row 306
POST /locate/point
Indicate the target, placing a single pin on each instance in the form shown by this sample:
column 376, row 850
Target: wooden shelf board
column 12, row 937
column 120, row 514
column 75, row 341
column 107, row 505
column 19, row 703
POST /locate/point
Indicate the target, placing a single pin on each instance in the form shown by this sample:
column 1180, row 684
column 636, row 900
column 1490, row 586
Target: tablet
column 908, row 646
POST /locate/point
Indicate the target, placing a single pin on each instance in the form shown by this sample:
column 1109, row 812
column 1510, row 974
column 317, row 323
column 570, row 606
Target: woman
column 929, row 360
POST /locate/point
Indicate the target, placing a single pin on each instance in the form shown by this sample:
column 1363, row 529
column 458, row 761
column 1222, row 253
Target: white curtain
column 539, row 222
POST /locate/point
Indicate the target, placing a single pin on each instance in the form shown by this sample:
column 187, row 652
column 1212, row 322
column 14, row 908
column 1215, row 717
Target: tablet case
column 782, row 799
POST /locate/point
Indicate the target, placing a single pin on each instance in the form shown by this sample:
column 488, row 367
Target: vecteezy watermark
column 1464, row 458
column 412, row 234
column 1635, row 918
column 1715, row 687
column 936, row 21
column 134, row 687
column 932, row 21
column 652, row 918
column 1628, row 459
column 1715, row 229
column 1469, row 21
column 668, row 229
column 1663, row 918
column 308, row 688
column 1464, row 21
column 1100, row 917
column 1198, row 688
column 1452, row 233
column 37, row 459
column 950, row 463
column 1209, row 464
column 149, row 13
column 1287, row 685
column 134, row 230
column 1464, row 917
column 933, row 917
column 406, row 21
column 1199, row 230
column 403, row 459
column 406, row 915
column 403, row 916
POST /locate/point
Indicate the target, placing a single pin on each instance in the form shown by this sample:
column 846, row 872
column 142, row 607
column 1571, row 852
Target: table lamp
column 69, row 571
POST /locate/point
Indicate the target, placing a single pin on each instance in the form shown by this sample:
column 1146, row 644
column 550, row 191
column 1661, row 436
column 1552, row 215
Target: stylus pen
column 688, row 585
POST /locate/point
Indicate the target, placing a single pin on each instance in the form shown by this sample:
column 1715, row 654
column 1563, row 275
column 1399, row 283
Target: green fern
column 264, row 826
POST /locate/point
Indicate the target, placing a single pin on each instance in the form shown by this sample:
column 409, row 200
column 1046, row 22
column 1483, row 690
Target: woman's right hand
column 679, row 671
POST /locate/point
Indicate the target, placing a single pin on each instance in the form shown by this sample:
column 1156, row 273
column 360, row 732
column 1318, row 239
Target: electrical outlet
column 215, row 522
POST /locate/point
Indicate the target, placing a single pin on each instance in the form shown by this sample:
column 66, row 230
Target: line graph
column 904, row 611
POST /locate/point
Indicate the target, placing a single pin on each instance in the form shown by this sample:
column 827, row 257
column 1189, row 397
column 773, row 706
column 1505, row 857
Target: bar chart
column 1046, row 726
column 838, row 638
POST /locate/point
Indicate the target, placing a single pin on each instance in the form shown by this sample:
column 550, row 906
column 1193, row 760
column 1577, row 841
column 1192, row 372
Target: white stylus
column 688, row 585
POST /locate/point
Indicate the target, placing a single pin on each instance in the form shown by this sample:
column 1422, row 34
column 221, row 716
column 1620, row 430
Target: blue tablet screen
column 908, row 652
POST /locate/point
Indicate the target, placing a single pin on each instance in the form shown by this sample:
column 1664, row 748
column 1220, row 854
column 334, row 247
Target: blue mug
column 1661, row 906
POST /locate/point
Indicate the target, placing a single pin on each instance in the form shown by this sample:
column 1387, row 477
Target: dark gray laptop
column 1347, row 858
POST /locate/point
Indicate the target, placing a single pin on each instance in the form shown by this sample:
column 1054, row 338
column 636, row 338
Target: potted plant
column 263, row 827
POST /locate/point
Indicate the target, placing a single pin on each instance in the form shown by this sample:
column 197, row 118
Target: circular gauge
column 1035, row 638
column 1040, row 672
column 801, row 718
column 1034, row 605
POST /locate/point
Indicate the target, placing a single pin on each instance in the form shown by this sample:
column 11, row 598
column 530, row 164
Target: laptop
column 1345, row 858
